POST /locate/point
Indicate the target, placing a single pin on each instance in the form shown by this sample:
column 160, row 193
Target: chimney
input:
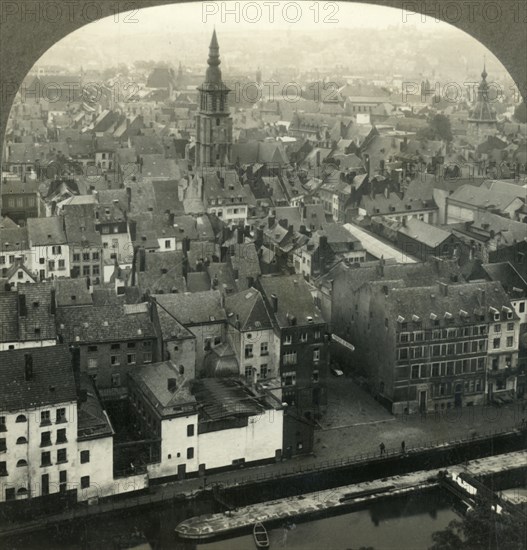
column 129, row 197
column 250, row 281
column 22, row 309
column 270, row 221
column 52, row 303
column 259, row 238
column 240, row 235
column 171, row 218
column 142, row 260
column 284, row 223
column 171, row 385
column 274, row 302
column 28, row 372
column 443, row 289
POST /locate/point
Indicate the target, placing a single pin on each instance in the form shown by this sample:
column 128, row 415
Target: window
column 45, row 484
column 496, row 343
column 316, row 354
column 510, row 341
column 45, row 459
column 316, row 376
column 190, row 452
column 51, row 265
column 317, row 334
column 190, row 430
column 248, row 350
column 3, row 468
column 45, row 439
column 403, row 353
column 86, row 270
column 116, row 379
column 3, row 446
column 415, row 371
column 288, row 340
column 21, row 440
column 264, row 348
column 435, row 369
column 497, row 328
column 56, row 250
column 167, row 243
column 147, row 357
column 263, row 371
column 61, row 436
column 248, row 372
column 131, row 358
column 85, row 457
column 85, row 256
column 115, row 346
column 115, row 360
column 289, row 358
column 85, row 482
column 62, row 456
column 303, row 337
column 92, row 364
column 522, row 307
column 95, row 256
column 404, row 337
column 289, row 378
column 3, row 427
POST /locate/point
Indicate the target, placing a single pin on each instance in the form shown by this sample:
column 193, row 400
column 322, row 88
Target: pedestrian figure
column 382, row 448
column 403, row 447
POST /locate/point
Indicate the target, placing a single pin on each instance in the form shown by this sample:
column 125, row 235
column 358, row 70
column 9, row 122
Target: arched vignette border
column 22, row 42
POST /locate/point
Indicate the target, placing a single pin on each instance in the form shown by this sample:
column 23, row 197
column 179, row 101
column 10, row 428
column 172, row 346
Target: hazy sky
column 153, row 33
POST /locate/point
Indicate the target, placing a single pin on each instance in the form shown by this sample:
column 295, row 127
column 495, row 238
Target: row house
column 223, row 195
column 444, row 345
column 112, row 224
column 27, row 316
column 14, row 247
column 110, row 340
column 191, row 428
column 50, row 446
column 85, row 243
column 303, row 343
column 50, row 251
column 201, row 313
column 251, row 335
column 20, row 200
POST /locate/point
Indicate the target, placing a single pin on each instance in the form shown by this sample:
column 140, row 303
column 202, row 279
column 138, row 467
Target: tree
column 482, row 528
column 438, row 128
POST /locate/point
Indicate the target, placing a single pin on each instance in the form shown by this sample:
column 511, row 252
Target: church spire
column 484, row 73
column 213, row 74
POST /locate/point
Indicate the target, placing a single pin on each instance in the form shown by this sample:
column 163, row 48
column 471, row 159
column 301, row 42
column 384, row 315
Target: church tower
column 213, row 120
column 482, row 118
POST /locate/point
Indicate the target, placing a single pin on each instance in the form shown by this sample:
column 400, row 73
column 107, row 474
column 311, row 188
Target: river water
column 401, row 523
column 398, row 524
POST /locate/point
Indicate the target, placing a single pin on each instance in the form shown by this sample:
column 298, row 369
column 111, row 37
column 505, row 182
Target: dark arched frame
column 24, row 39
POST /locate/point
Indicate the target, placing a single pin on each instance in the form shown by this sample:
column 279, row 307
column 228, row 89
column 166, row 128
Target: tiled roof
column 92, row 421
column 508, row 276
column 244, row 259
column 153, row 382
column 163, row 272
column 429, row 235
column 111, row 323
column 8, row 316
column 426, row 300
column 72, row 292
column 198, row 281
column 222, row 275
column 294, row 300
column 491, row 194
column 248, row 308
column 46, row 231
column 79, row 222
column 38, row 312
column 13, row 239
column 194, row 308
column 52, row 381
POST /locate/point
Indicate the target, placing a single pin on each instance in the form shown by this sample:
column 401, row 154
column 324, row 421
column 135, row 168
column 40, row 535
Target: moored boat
column 261, row 538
